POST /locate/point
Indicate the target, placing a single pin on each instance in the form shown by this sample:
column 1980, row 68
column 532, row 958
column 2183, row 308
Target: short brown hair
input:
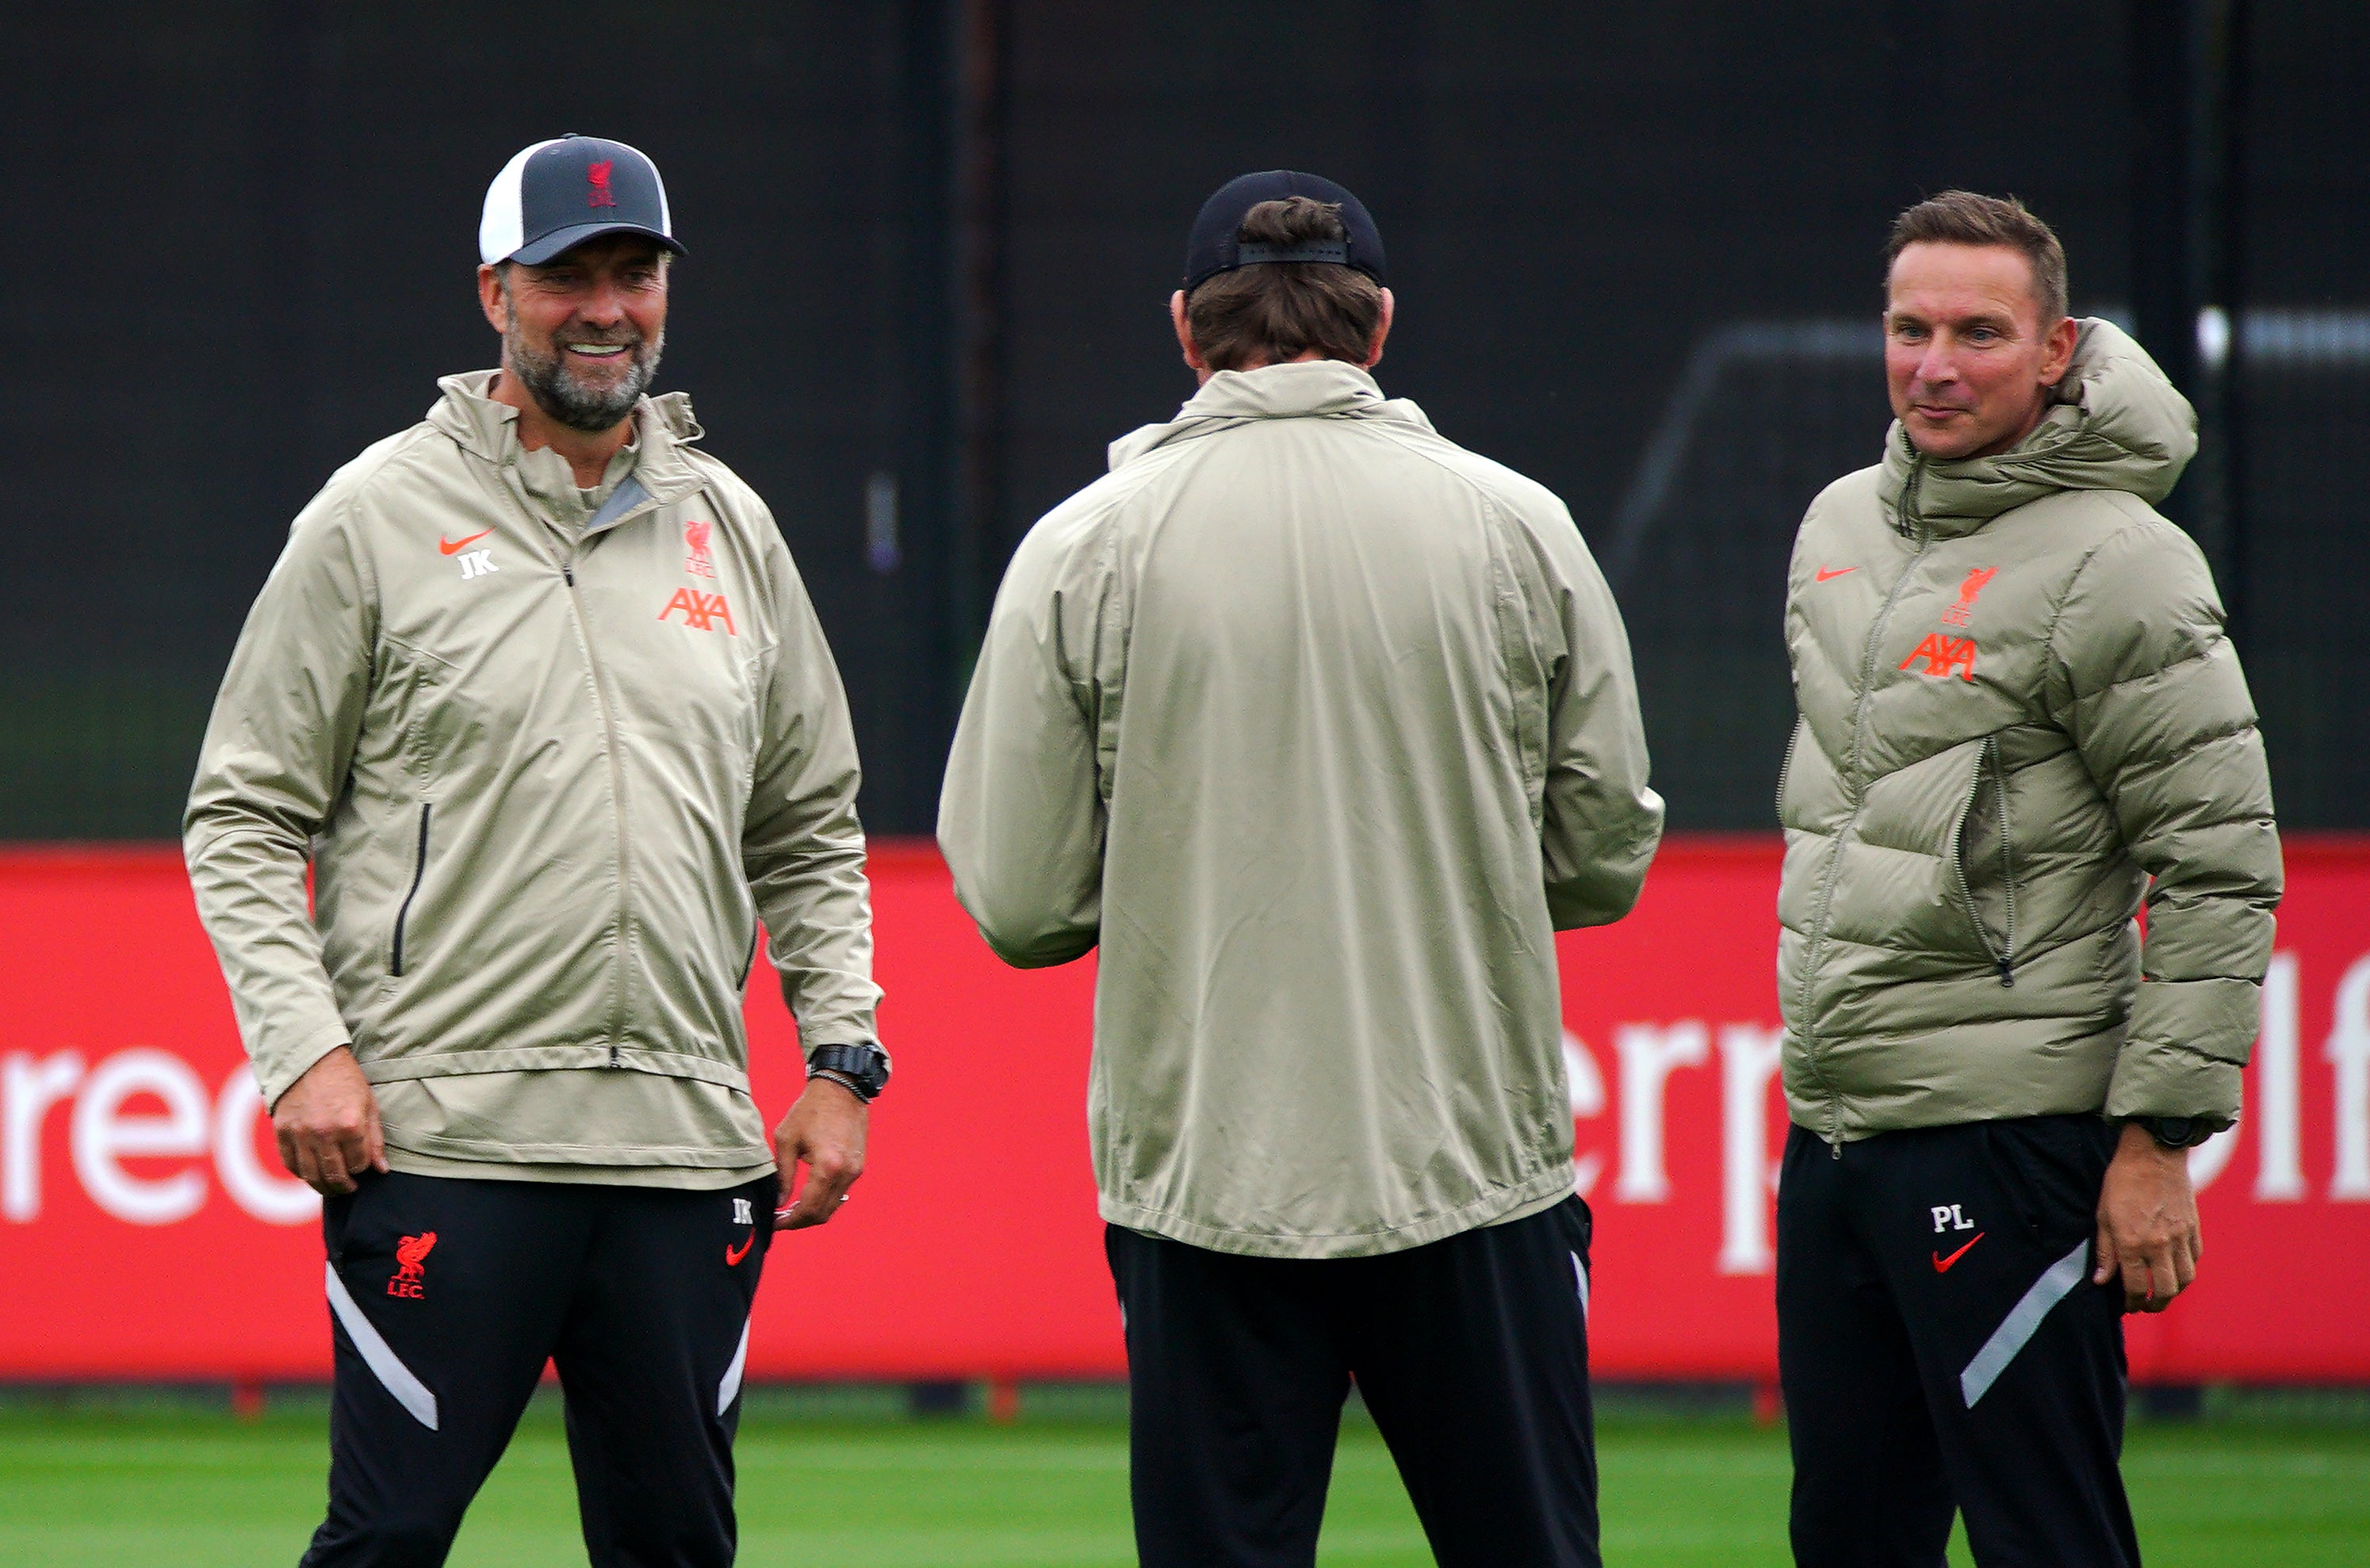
column 1274, row 310
column 1962, row 217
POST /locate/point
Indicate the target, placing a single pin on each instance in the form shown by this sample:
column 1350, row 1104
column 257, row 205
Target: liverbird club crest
column 1958, row 614
column 696, row 560
column 410, row 1254
column 598, row 175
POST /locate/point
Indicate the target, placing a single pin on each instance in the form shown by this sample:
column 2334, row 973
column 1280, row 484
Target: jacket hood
column 1317, row 388
column 2117, row 424
column 663, row 424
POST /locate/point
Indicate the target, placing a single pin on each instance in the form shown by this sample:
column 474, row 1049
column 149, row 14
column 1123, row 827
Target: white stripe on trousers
column 2023, row 1321
column 392, row 1374
column 730, row 1388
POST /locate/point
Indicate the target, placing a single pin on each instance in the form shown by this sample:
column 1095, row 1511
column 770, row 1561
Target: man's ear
column 493, row 299
column 2057, row 350
column 1382, row 330
column 1184, row 333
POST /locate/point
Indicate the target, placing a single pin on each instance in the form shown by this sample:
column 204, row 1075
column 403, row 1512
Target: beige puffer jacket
column 2018, row 706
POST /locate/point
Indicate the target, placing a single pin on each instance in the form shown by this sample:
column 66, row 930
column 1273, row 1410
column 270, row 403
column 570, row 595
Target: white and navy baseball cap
column 564, row 191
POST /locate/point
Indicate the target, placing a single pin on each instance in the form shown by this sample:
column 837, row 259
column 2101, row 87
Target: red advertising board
column 146, row 1230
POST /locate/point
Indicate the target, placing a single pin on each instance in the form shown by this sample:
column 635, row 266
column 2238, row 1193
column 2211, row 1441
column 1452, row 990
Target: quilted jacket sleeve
column 802, row 845
column 275, row 758
column 2147, row 683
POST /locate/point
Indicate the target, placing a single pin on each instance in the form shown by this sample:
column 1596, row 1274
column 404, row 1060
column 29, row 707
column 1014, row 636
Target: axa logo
column 701, row 612
column 598, row 176
column 696, row 559
column 1958, row 614
column 410, row 1260
column 1944, row 657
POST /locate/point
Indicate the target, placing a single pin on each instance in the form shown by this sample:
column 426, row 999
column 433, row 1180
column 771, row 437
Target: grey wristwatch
column 862, row 1070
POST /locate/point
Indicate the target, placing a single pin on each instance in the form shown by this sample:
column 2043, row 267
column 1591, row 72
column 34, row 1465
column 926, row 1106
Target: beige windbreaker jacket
column 2019, row 713
column 548, row 772
column 1321, row 727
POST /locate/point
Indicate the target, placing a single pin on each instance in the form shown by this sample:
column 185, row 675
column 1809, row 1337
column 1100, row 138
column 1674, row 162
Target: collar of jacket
column 2117, row 424
column 1303, row 389
column 663, row 424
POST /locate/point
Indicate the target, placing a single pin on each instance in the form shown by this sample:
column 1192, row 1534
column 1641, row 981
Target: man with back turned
column 1320, row 726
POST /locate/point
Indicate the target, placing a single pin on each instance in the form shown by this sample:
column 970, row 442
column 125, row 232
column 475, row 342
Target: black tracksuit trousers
column 1942, row 1347
column 448, row 1297
column 1471, row 1353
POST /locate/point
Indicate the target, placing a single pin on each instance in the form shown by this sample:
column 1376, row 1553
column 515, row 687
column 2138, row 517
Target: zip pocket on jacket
column 2003, row 952
column 419, row 874
column 1793, row 739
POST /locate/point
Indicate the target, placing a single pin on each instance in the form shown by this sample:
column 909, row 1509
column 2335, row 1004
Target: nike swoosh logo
column 734, row 1254
column 1942, row 1265
column 454, row 547
column 1828, row 574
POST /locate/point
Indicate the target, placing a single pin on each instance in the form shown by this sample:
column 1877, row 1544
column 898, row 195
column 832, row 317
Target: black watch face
column 867, row 1065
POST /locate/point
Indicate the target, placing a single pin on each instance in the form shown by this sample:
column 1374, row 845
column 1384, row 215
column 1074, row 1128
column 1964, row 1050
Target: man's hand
column 327, row 1123
column 824, row 1132
column 2147, row 1222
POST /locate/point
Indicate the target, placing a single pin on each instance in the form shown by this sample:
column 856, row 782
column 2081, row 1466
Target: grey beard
column 560, row 395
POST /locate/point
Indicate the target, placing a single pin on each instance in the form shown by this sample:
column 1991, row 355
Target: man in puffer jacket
column 2021, row 719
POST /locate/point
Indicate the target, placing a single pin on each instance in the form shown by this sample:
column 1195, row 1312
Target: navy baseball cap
column 566, row 190
column 1212, row 249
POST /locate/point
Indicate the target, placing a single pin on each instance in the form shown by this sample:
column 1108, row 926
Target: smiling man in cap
column 536, row 694
column 1321, row 727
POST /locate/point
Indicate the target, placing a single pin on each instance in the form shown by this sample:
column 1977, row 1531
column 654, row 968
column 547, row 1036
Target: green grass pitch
column 202, row 1491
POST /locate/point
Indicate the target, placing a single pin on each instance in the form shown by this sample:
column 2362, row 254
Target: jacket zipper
column 2007, row 878
column 1793, row 739
column 1859, row 801
column 2003, row 955
column 567, row 563
column 617, row 802
column 403, row 911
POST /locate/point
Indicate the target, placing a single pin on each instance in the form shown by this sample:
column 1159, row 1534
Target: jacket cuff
column 2170, row 1081
column 278, row 1066
column 2182, row 1056
column 2217, row 1018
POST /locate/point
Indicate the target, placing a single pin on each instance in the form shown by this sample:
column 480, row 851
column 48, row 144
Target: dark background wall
column 1635, row 250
